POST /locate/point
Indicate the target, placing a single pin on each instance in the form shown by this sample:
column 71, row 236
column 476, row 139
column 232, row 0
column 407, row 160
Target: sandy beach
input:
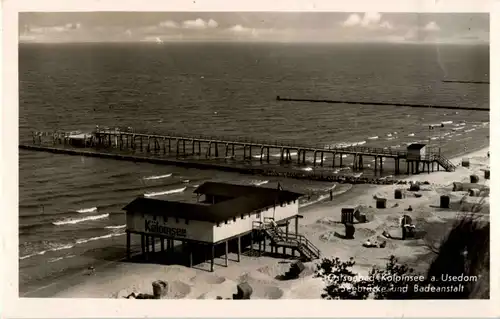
column 320, row 222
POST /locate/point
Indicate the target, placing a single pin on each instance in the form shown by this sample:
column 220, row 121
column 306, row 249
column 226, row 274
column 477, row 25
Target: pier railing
column 114, row 138
column 289, row 144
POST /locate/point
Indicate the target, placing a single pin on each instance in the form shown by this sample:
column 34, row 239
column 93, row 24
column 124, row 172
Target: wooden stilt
column 128, row 245
column 190, row 255
column 212, row 258
column 239, row 248
column 143, row 245
column 297, row 225
column 260, row 246
column 251, row 242
column 227, row 252
column 264, row 244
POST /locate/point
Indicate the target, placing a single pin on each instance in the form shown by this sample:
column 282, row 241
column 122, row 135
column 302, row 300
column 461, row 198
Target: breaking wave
column 86, row 240
column 57, row 248
column 87, row 210
column 60, row 258
column 157, row 177
column 172, row 191
column 258, row 183
column 79, row 220
column 115, row 227
column 344, row 189
column 69, row 246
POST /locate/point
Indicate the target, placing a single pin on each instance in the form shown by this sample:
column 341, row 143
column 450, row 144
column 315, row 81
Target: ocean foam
column 326, row 196
column 258, row 183
column 59, row 258
column 79, row 220
column 373, row 138
column 87, row 210
column 411, row 134
column 172, row 191
column 157, row 177
column 86, row 240
column 115, row 227
column 349, row 144
column 48, row 250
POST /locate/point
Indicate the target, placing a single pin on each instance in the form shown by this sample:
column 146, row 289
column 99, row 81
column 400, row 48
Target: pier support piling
column 128, row 245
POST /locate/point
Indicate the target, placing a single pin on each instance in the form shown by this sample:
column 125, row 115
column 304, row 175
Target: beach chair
column 465, row 162
column 381, row 203
column 407, row 227
column 474, row 179
column 398, row 194
column 295, row 269
column 160, row 289
column 444, row 201
column 347, row 215
column 244, row 291
column 414, row 187
column 349, row 230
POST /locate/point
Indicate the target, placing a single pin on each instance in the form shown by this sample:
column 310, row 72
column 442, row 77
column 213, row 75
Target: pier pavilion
column 224, row 215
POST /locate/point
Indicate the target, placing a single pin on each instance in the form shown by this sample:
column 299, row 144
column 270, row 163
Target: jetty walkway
column 194, row 151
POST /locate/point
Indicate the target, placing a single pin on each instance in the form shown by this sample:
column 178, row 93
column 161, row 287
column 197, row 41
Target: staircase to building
column 288, row 240
column 446, row 163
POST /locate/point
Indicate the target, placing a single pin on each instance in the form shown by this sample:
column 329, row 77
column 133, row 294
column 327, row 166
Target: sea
column 70, row 208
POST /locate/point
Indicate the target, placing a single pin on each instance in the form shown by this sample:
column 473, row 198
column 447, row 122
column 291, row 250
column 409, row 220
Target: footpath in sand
column 319, row 225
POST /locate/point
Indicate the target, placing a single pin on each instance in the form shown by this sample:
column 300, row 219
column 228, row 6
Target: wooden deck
column 212, row 147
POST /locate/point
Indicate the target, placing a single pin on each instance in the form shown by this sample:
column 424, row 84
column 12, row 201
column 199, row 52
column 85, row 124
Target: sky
column 60, row 27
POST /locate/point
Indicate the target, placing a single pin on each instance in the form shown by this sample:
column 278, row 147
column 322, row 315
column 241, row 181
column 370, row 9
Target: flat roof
column 235, row 190
column 241, row 203
column 416, row 146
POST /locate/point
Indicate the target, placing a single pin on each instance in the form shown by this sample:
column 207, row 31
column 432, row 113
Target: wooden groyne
column 270, row 172
column 466, row 82
column 449, row 107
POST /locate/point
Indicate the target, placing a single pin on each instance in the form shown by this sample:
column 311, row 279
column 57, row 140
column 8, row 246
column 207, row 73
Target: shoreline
column 358, row 193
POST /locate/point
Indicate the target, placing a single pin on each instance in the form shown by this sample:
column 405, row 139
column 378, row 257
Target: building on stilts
column 225, row 219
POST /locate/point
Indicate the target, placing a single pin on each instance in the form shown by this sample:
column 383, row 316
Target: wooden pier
column 152, row 146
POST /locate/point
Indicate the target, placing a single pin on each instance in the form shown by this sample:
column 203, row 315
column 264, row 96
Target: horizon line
column 166, row 41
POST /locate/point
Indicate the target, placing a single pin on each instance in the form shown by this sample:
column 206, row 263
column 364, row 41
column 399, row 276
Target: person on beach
column 331, row 195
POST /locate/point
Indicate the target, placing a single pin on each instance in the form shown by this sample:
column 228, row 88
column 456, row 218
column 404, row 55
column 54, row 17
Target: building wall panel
column 170, row 227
